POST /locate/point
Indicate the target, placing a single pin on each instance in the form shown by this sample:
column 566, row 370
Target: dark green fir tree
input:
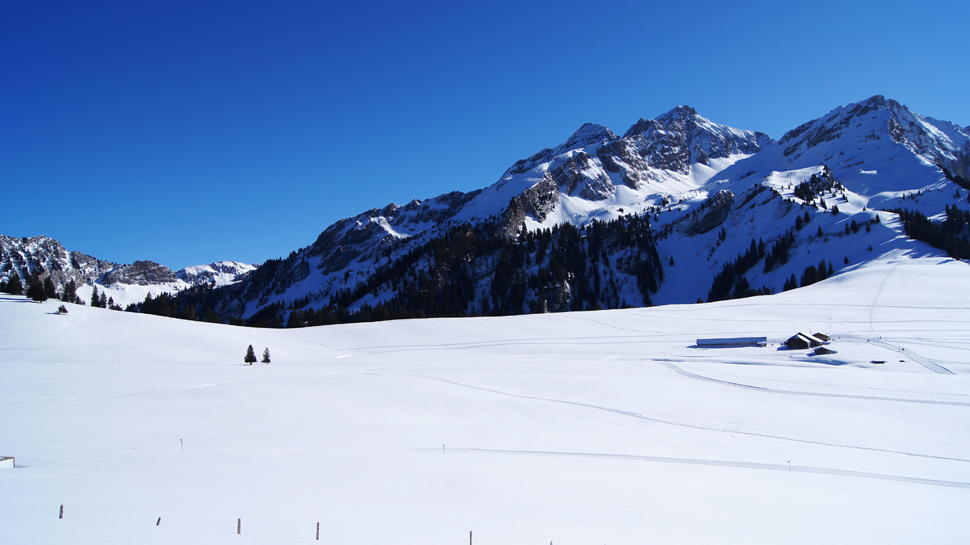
column 50, row 288
column 14, row 286
column 35, row 289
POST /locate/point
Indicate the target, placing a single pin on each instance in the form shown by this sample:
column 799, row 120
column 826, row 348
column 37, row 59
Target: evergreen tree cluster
column 550, row 270
column 35, row 287
column 40, row 287
column 98, row 300
column 815, row 186
column 815, row 274
column 250, row 356
column 779, row 252
column 950, row 235
column 731, row 283
column 468, row 270
column 13, row 285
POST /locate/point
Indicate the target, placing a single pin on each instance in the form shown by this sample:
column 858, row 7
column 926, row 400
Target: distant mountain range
column 677, row 210
column 44, row 254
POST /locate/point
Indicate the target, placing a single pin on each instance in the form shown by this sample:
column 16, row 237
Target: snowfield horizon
column 573, row 428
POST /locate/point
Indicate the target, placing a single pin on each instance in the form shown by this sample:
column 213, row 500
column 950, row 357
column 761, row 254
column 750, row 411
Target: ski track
column 693, row 375
column 925, row 362
column 725, row 463
column 762, row 466
column 690, row 426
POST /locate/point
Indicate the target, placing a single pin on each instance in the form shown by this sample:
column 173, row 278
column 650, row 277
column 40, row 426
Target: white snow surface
column 596, row 427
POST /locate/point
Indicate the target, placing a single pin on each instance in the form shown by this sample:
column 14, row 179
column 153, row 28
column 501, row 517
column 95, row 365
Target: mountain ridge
column 50, row 258
column 709, row 193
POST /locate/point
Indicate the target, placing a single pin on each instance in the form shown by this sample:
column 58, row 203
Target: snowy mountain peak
column 681, row 137
column 872, row 129
column 680, row 112
column 588, row 134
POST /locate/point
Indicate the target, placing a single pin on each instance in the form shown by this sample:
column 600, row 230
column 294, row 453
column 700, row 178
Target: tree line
column 468, row 270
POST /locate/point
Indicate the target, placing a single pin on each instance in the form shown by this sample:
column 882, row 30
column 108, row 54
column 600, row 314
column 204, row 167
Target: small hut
column 7, row 462
column 822, row 337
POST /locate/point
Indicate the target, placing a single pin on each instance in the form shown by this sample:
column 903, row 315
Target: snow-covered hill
column 587, row 427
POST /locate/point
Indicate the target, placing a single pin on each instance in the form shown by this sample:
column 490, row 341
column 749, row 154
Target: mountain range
column 125, row 283
column 678, row 209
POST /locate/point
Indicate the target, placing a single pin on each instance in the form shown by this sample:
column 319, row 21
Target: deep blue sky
column 190, row 132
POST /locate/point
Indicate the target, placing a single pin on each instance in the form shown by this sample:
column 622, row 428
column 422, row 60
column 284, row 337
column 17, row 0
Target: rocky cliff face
column 141, row 273
column 25, row 255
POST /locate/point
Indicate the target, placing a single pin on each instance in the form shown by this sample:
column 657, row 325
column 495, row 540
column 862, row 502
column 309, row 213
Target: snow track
column 639, row 416
column 925, row 362
column 727, row 463
column 690, row 374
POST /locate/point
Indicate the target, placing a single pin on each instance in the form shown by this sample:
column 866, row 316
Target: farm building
column 732, row 341
column 822, row 337
column 7, row 462
column 821, row 351
column 803, row 341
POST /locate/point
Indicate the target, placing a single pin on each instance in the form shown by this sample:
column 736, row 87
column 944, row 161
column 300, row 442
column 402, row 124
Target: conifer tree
column 266, row 355
column 50, row 288
column 69, row 294
column 95, row 297
column 250, row 355
column 35, row 289
column 14, row 286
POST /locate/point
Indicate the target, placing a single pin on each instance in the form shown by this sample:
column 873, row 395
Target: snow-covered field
column 582, row 428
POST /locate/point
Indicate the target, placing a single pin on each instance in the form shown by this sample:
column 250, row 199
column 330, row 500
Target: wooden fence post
column 318, row 531
column 159, row 523
column 239, row 526
column 62, row 512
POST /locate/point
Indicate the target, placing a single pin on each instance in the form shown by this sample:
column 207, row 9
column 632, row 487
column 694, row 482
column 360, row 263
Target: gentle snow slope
column 599, row 427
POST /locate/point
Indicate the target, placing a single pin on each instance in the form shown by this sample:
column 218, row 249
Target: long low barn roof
column 733, row 341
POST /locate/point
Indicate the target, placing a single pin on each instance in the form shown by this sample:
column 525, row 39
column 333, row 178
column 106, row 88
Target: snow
column 597, row 427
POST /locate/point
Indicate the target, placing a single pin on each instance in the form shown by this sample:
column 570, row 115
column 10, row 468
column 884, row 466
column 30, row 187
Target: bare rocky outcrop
column 142, row 273
column 717, row 207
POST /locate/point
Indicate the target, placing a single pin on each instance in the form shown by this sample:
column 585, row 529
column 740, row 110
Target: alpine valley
column 678, row 209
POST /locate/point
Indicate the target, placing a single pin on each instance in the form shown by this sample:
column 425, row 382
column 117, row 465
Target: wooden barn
column 803, row 341
column 7, row 462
